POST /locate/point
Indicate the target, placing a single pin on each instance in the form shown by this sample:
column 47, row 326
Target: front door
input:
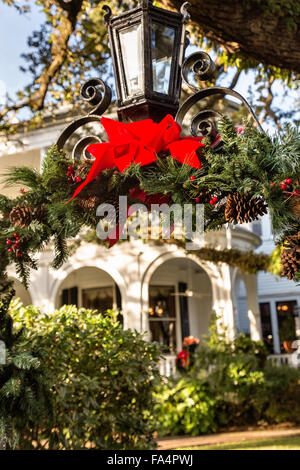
column 162, row 316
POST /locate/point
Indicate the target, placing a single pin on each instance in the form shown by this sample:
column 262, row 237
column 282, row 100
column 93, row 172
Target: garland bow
column 139, row 143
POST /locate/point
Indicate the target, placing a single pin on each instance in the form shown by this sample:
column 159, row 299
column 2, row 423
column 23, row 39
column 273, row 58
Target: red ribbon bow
column 139, row 143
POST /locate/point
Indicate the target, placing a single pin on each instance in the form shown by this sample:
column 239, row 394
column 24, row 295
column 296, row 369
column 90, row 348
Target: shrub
column 25, row 395
column 230, row 384
column 280, row 398
column 102, row 379
column 185, row 406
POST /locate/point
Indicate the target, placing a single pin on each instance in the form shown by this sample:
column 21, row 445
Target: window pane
column 286, row 320
column 266, row 325
column 98, row 298
column 162, row 316
column 162, row 51
column 161, row 302
column 131, row 47
column 164, row 332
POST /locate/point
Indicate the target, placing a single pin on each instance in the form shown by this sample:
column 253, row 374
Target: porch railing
column 167, row 365
column 292, row 360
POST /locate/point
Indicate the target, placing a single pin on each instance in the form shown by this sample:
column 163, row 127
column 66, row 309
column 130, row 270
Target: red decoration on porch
column 182, row 359
column 140, row 142
column 190, row 341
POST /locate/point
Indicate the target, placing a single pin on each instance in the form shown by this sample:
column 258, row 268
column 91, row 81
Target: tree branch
column 14, row 107
column 66, row 6
column 268, row 111
column 250, row 29
column 59, row 51
column 235, row 79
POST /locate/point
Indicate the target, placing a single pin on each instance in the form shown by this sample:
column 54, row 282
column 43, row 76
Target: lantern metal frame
column 147, row 102
column 150, row 104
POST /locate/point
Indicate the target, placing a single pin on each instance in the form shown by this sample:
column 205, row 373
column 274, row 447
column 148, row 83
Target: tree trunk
column 251, row 31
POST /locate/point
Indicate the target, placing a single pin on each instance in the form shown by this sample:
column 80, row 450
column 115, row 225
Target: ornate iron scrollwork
column 201, row 66
column 184, row 11
column 98, row 94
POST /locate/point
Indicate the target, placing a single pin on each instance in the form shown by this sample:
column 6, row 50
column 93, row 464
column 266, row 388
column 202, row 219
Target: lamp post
column 147, row 46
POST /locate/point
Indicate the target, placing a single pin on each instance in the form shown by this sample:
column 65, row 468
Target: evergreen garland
column 246, row 261
column 25, row 398
column 251, row 168
column 236, row 183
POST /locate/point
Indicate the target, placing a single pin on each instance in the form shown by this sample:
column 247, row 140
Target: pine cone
column 21, row 216
column 290, row 256
column 113, row 199
column 295, row 207
column 89, row 203
column 39, row 214
column 242, row 208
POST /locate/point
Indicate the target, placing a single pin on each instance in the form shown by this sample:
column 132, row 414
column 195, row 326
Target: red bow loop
column 139, row 143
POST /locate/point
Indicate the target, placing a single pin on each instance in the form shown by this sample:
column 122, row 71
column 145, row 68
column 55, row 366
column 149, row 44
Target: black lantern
column 147, row 46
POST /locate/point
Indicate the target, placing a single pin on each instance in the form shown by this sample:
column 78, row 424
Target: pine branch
column 23, row 175
column 61, row 251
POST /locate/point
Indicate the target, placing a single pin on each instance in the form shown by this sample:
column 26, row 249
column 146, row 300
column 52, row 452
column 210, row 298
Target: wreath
column 237, row 182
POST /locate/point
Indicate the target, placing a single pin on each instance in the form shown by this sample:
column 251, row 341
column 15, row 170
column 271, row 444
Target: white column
column 133, row 277
column 275, row 327
column 227, row 272
column 253, row 306
column 40, row 282
column 223, row 301
column 133, row 308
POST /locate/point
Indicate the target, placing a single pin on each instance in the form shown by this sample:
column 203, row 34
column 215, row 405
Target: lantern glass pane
column 131, row 48
column 162, row 51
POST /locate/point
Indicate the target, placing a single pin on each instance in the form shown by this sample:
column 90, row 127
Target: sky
column 15, row 28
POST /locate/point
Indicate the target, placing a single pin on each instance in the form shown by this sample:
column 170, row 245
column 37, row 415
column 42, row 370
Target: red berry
column 288, row 180
column 78, row 179
column 16, row 235
column 16, row 244
column 213, row 200
column 296, row 192
column 19, row 254
column 8, row 242
column 10, row 250
column 70, row 168
column 272, row 184
column 192, row 178
column 197, row 199
column 283, row 186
